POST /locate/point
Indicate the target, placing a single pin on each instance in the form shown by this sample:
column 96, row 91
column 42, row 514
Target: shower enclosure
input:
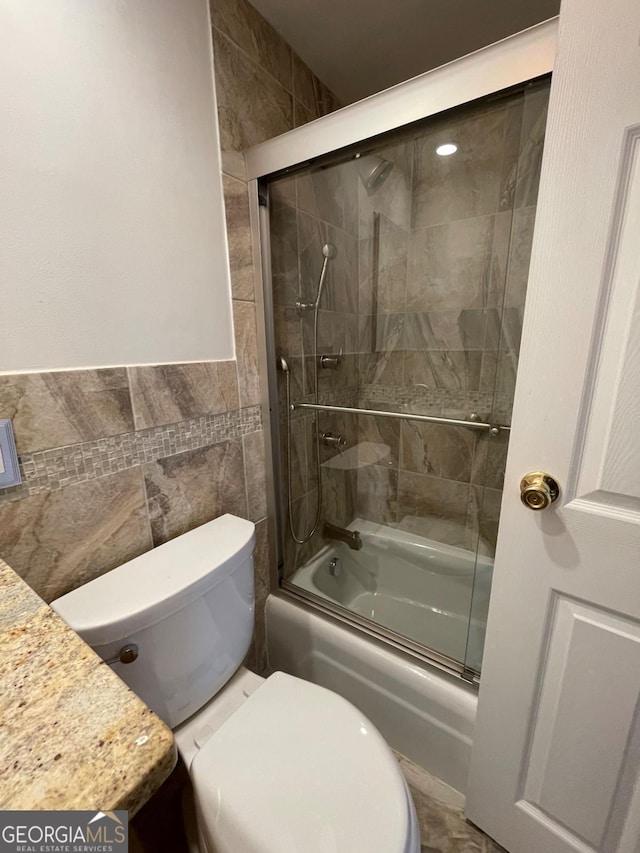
column 398, row 273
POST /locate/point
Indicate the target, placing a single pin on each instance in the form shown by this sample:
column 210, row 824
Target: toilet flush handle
column 127, row 654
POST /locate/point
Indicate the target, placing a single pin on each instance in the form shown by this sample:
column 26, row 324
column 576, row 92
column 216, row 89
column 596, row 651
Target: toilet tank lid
column 150, row 587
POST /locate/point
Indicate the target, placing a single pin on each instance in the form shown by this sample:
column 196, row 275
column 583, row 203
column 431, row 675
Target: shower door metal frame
column 503, row 65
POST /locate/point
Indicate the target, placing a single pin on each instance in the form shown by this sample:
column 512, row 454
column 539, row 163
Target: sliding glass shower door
column 399, row 274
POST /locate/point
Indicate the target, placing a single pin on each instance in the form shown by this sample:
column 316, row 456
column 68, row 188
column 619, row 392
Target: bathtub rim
column 376, row 633
column 424, row 695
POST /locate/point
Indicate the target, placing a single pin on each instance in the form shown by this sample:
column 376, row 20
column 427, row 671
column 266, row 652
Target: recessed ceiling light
column 447, row 149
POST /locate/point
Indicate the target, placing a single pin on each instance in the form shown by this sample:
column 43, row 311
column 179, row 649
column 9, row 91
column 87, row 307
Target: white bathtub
column 435, row 594
column 423, row 713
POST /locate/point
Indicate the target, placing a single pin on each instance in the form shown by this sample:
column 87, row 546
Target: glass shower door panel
column 418, row 311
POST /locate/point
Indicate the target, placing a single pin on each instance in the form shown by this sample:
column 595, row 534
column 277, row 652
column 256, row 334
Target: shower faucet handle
column 331, row 362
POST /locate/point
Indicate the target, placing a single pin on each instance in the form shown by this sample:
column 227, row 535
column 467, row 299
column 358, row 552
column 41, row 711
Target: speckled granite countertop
column 72, row 734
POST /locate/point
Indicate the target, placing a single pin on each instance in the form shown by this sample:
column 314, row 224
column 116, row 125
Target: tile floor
column 157, row 828
column 440, row 811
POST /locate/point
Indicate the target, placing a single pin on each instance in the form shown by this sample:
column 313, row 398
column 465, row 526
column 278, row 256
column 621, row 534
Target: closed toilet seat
column 298, row 769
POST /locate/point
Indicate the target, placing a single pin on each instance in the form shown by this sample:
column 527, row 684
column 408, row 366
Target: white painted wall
column 112, row 237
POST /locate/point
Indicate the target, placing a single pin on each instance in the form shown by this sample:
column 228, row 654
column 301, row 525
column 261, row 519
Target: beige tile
column 244, row 25
column 56, row 409
column 186, row 490
column 262, row 588
column 437, row 449
column 284, row 252
column 520, row 256
column 245, row 330
column 452, row 266
column 534, row 123
column 252, row 106
column 302, row 114
column 489, row 459
column 440, row 813
column 339, row 496
column 446, row 369
column 255, row 475
column 468, row 183
column 378, row 494
column 236, row 205
column 305, row 85
column 168, row 393
column 59, row 540
column 433, row 508
column 384, row 431
column 234, row 165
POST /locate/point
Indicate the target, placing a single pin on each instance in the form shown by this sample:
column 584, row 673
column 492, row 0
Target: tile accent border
column 57, row 468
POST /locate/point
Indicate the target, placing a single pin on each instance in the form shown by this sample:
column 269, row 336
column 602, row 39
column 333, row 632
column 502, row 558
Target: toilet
column 278, row 765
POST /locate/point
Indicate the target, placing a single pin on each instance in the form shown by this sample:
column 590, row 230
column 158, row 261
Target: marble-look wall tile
column 433, row 508
column 168, row 393
column 297, row 464
column 234, row 165
column 340, row 292
column 284, row 253
column 377, row 494
column 383, row 431
column 246, row 333
column 236, row 206
column 288, row 327
column 59, row 540
column 257, row 656
column 483, row 519
column 446, row 330
column 470, row 182
column 381, row 368
column 191, row 488
column 534, row 122
column 255, row 475
column 310, row 91
column 252, row 106
column 331, row 194
column 489, row 460
column 443, row 451
column 383, row 269
column 520, row 255
column 458, row 265
column 245, row 26
column 303, row 518
column 301, row 114
column 339, row 496
column 458, row 369
column 54, row 409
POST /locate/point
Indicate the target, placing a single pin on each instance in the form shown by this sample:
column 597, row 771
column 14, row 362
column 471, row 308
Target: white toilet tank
column 186, row 605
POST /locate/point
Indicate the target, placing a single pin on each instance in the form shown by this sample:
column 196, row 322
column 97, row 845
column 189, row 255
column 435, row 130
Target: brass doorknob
column 538, row 490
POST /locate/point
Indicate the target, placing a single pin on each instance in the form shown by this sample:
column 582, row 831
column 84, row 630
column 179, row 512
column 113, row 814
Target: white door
column 556, row 758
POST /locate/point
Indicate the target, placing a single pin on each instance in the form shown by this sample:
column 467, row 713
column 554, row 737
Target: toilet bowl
column 277, row 765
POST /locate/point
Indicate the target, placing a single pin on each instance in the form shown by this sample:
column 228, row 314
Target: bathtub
column 420, row 711
column 413, row 585
column 435, row 594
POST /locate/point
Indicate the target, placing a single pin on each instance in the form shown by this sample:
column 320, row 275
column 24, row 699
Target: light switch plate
column 9, row 468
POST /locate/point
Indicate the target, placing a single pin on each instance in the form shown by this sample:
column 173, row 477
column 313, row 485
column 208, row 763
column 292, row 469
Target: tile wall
column 117, row 461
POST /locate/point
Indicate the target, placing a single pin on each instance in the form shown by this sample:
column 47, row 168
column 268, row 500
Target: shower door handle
column 538, row 490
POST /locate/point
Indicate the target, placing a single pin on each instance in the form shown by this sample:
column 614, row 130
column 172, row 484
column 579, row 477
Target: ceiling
column 358, row 47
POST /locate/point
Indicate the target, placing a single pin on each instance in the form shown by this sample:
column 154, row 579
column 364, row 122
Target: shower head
column 373, row 171
column 329, row 251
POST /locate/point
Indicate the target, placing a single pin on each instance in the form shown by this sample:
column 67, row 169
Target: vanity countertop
column 72, row 734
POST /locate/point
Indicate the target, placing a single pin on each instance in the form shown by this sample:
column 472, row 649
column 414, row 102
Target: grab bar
column 493, row 429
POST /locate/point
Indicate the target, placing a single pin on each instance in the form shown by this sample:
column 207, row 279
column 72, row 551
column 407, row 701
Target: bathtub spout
column 350, row 537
